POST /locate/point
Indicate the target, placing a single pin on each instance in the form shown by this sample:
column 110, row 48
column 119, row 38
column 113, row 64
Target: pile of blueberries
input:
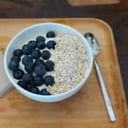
column 35, row 57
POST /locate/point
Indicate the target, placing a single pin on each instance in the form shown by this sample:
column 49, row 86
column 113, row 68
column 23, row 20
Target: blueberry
column 35, row 90
column 46, row 54
column 51, row 44
column 13, row 65
column 16, row 58
column 49, row 65
column 32, row 89
column 27, row 59
column 40, row 70
column 26, row 49
column 38, row 80
column 36, row 54
column 41, row 45
column 18, row 74
column 27, row 77
column 49, row 80
column 17, row 52
column 50, row 34
column 32, row 44
column 22, row 84
column 29, row 86
column 29, row 67
column 38, row 62
column 40, row 38
column 44, row 92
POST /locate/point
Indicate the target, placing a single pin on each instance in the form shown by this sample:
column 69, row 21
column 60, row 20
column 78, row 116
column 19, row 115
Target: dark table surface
column 115, row 15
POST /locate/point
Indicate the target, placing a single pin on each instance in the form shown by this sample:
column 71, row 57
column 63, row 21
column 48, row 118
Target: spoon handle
column 108, row 104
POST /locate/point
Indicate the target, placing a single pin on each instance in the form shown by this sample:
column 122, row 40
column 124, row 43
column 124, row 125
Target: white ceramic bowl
column 31, row 32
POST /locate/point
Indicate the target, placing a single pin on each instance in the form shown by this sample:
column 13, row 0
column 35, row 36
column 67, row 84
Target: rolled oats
column 71, row 61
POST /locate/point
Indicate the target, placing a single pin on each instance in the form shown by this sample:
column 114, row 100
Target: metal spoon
column 96, row 49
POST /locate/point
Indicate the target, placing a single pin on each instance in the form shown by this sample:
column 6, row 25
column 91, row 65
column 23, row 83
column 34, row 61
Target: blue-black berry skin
column 32, row 44
column 51, row 44
column 26, row 49
column 40, row 38
column 50, row 34
column 36, row 54
column 44, row 92
column 16, row 58
column 40, row 70
column 29, row 86
column 41, row 45
column 38, row 62
column 17, row 52
column 29, row 67
column 13, row 65
column 49, row 65
column 38, row 80
column 18, row 74
column 27, row 59
column 33, row 89
column 46, row 54
column 27, row 77
column 49, row 80
column 22, row 84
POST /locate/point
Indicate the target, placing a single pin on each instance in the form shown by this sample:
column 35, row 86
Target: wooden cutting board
column 86, row 109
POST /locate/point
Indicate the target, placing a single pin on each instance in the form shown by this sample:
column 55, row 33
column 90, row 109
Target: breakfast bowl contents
column 48, row 62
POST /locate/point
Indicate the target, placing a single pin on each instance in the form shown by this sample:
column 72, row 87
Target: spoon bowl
column 93, row 43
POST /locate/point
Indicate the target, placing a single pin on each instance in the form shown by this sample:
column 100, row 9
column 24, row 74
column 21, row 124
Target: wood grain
column 92, row 2
column 86, row 109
